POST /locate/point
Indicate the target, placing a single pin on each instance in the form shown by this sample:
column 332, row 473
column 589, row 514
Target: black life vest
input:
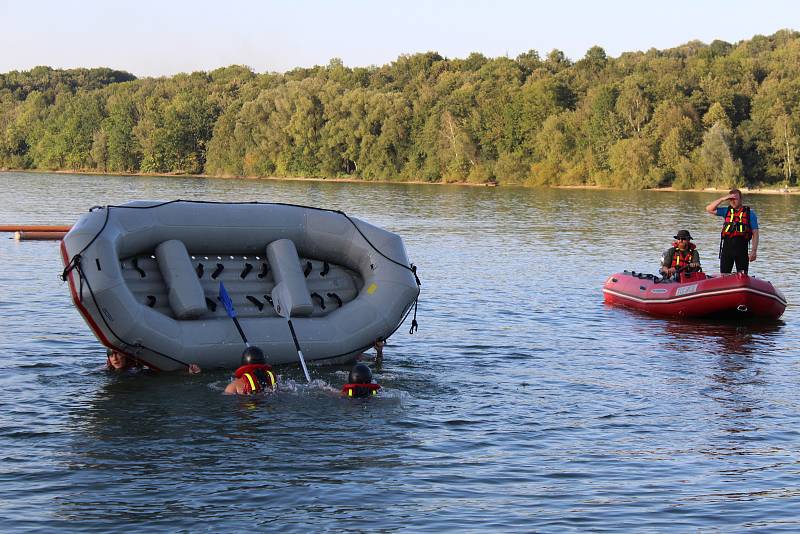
column 360, row 390
column 682, row 259
column 737, row 223
column 256, row 377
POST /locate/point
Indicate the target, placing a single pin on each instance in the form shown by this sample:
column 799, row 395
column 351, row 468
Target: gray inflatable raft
column 146, row 278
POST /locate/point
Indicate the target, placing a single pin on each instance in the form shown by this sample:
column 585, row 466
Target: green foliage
column 717, row 164
column 693, row 116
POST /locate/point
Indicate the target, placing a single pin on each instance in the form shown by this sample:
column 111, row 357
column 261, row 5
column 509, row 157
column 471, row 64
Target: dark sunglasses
column 684, row 239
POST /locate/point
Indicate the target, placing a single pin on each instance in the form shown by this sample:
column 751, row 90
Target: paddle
column 226, row 301
column 284, row 313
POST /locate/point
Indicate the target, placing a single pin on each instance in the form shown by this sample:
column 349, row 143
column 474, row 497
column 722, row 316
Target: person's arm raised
column 712, row 208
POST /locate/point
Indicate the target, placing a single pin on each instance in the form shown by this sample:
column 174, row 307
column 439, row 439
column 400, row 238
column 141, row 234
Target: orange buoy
column 39, row 236
column 34, row 228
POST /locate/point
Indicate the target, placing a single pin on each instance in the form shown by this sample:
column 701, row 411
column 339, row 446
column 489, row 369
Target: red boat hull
column 698, row 295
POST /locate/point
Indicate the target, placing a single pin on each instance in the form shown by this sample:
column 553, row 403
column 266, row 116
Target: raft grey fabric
column 186, row 297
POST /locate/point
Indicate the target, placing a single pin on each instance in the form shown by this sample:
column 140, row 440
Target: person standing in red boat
column 739, row 230
column 681, row 255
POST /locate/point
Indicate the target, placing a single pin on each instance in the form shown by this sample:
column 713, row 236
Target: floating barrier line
column 39, row 236
column 35, row 228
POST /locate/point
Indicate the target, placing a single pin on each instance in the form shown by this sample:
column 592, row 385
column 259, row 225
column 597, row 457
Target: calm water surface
column 523, row 403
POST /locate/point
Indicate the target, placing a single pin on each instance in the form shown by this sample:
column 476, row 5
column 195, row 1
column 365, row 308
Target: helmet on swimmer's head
column 253, row 356
column 360, row 374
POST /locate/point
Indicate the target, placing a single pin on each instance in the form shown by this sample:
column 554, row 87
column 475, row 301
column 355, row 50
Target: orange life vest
column 681, row 259
column 737, row 223
column 360, row 390
column 256, row 377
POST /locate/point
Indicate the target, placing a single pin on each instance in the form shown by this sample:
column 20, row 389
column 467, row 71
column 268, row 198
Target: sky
column 163, row 37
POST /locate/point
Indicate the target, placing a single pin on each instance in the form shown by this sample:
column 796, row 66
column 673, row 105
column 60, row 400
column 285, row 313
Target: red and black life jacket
column 360, row 390
column 737, row 223
column 682, row 259
column 256, row 377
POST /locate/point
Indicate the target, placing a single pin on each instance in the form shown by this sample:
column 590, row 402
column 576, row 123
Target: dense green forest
column 699, row 115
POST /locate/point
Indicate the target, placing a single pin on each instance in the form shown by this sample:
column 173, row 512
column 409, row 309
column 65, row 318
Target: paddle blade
column 226, row 301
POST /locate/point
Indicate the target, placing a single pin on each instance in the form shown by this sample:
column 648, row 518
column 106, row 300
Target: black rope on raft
column 414, row 324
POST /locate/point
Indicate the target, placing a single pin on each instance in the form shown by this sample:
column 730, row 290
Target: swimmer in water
column 253, row 376
column 359, row 383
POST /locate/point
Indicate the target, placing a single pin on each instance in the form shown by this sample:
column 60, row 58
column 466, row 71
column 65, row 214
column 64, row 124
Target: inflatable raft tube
column 145, row 276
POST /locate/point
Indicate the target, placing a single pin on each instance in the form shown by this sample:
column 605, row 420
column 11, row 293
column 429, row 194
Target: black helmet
column 360, row 374
column 253, row 356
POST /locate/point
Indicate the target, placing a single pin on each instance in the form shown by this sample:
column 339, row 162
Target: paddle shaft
column 241, row 332
column 226, row 301
column 299, row 352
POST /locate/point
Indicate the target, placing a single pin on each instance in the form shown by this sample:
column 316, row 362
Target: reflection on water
column 523, row 402
column 723, row 337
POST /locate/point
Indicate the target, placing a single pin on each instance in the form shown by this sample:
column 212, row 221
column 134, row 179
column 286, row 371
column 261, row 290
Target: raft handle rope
column 316, row 295
column 325, row 269
column 258, row 303
column 264, row 270
column 335, row 297
column 247, row 268
column 200, row 269
column 414, row 324
column 75, row 262
column 138, row 269
column 307, row 269
column 217, row 271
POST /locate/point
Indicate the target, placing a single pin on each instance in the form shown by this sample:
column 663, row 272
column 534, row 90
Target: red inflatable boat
column 695, row 295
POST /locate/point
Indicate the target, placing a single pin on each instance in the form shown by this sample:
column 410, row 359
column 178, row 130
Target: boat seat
column 186, row 296
column 290, row 296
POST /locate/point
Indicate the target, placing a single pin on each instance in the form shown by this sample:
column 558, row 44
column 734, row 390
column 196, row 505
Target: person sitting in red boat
column 682, row 256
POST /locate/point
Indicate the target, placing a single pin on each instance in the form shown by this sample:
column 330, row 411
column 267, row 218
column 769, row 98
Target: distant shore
column 231, row 177
column 756, row 190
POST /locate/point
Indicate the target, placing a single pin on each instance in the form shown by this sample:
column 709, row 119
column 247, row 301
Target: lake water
column 522, row 404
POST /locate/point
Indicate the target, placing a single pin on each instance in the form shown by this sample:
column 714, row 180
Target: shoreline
column 746, row 190
column 231, row 177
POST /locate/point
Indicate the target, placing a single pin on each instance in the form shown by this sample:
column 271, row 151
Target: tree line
column 698, row 115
